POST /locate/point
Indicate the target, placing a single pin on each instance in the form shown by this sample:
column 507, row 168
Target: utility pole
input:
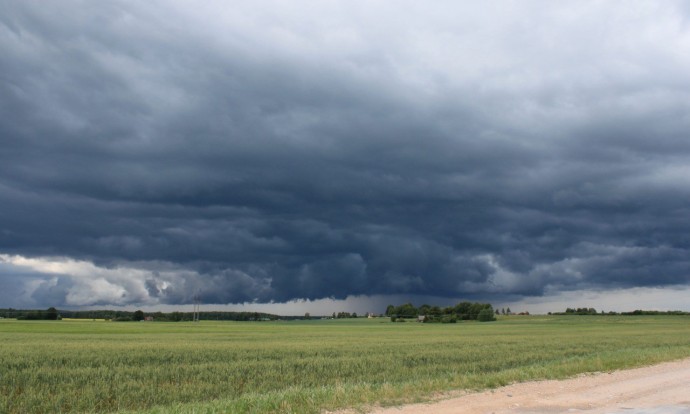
column 197, row 308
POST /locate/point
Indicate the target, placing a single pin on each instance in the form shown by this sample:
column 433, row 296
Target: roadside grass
column 307, row 366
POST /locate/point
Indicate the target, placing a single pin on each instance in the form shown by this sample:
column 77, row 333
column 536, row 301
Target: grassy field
column 306, row 366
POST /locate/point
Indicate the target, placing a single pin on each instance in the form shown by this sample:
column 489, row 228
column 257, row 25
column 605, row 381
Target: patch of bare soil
column 658, row 389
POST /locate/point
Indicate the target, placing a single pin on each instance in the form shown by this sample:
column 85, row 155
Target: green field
column 307, row 366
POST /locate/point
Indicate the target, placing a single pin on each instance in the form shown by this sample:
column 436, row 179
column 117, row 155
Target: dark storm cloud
column 269, row 155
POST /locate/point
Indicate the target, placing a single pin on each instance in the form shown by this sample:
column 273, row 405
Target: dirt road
column 658, row 389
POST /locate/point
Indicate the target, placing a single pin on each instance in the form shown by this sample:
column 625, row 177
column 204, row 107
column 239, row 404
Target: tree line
column 121, row 316
column 344, row 315
column 592, row 311
column 462, row 311
column 50, row 314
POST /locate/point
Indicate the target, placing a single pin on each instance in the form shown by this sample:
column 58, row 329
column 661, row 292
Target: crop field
column 307, row 366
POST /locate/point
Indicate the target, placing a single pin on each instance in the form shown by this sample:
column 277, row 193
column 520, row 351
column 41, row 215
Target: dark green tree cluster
column 344, row 315
column 652, row 312
column 486, row 315
column 461, row 311
column 407, row 310
column 592, row 311
column 50, row 314
column 580, row 311
column 112, row 315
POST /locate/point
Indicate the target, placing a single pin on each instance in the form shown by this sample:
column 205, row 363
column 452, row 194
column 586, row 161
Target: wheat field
column 306, row 366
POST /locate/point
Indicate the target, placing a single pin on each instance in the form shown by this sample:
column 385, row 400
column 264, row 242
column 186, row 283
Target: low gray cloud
column 272, row 153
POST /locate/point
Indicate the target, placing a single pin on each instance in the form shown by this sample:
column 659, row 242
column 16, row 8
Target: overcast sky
column 304, row 155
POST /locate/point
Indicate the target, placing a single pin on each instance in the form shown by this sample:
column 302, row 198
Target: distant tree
column 407, row 311
column 435, row 311
column 503, row 311
column 307, row 315
column 354, row 314
column 35, row 315
column 486, row 315
column 475, row 308
column 138, row 316
column 390, row 310
column 508, row 311
column 498, row 312
column 580, row 311
column 51, row 314
column 463, row 310
column 333, row 315
column 425, row 309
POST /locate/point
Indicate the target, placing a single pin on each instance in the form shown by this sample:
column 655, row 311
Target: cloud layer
column 265, row 153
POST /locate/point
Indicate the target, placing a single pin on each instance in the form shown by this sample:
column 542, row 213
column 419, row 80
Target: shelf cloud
column 272, row 152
